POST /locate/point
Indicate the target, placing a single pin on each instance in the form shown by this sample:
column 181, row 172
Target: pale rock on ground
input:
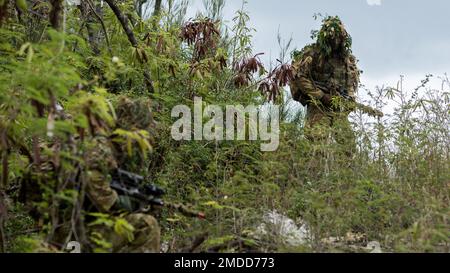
column 292, row 234
column 274, row 223
column 74, row 2
column 374, row 247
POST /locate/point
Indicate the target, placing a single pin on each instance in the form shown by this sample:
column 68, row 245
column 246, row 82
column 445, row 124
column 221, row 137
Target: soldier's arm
column 353, row 74
column 100, row 162
column 99, row 191
column 304, row 82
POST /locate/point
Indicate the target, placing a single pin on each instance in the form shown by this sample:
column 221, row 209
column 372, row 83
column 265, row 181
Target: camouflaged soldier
column 134, row 115
column 322, row 72
column 101, row 163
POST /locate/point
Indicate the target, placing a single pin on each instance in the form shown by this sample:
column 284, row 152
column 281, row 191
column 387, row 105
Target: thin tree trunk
column 89, row 11
column 124, row 22
column 2, row 224
column 98, row 12
column 157, row 9
column 56, row 13
column 92, row 37
column 4, row 12
column 3, row 185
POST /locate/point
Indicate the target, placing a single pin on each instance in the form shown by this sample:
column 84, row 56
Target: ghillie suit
column 100, row 162
column 145, row 230
column 134, row 116
column 324, row 71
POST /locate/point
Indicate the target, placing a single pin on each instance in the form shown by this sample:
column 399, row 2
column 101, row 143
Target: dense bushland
column 64, row 68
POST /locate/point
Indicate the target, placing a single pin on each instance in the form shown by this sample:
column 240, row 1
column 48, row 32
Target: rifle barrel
column 128, row 184
column 364, row 108
column 185, row 210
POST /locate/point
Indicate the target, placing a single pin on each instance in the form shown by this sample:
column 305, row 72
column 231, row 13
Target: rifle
column 131, row 185
column 350, row 101
column 364, row 108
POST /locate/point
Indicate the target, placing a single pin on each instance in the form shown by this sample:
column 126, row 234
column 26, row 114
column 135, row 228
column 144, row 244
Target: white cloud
column 374, row 2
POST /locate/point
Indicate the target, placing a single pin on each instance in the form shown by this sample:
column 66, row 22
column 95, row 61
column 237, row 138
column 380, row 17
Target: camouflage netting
column 333, row 33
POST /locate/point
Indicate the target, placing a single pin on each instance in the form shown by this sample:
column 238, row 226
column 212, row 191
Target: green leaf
column 23, row 48
column 125, row 229
column 21, row 4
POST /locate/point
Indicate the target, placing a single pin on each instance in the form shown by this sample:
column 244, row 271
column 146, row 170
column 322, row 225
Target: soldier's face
column 337, row 43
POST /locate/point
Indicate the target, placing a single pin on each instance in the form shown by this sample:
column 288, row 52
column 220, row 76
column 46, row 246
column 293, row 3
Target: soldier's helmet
column 333, row 35
column 134, row 114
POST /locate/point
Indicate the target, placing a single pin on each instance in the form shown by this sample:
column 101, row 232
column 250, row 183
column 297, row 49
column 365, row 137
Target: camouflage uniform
column 133, row 115
column 101, row 160
column 321, row 70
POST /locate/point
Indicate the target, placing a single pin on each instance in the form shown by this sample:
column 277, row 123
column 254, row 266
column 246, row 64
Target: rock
column 286, row 230
column 350, row 238
column 164, row 247
column 374, row 247
column 74, row 2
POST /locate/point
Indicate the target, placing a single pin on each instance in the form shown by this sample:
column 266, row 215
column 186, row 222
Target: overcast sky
column 390, row 37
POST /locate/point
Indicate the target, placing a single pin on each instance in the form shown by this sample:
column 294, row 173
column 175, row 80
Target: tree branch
column 3, row 185
column 55, row 15
column 124, row 22
column 102, row 23
column 157, row 9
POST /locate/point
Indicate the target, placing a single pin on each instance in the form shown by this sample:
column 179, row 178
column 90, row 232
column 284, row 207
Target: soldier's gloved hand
column 326, row 100
column 126, row 203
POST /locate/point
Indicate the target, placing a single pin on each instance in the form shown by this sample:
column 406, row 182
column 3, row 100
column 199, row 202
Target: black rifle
column 133, row 185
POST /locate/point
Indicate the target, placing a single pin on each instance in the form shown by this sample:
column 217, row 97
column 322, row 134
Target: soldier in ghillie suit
column 134, row 115
column 324, row 73
column 101, row 160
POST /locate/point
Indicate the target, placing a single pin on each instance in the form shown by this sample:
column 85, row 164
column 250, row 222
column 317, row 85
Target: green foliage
column 332, row 29
column 394, row 189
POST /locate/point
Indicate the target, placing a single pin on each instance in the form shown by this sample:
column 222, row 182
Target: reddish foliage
column 245, row 70
column 203, row 34
column 278, row 78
